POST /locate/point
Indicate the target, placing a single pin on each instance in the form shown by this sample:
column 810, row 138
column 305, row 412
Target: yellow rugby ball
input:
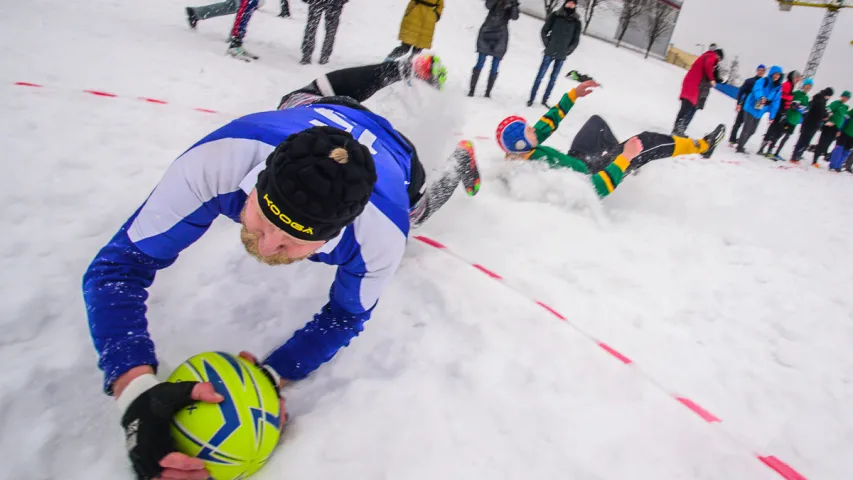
column 236, row 437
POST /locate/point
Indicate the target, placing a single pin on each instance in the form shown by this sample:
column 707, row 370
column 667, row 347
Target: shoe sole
column 472, row 189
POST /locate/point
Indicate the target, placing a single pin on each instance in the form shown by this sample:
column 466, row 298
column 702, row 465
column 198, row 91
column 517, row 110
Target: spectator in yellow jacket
column 418, row 26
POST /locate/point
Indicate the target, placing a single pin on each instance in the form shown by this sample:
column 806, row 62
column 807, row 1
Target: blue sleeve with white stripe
column 199, row 186
column 214, row 177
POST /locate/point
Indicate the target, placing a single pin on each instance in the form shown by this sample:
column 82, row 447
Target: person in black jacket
column 493, row 39
column 560, row 35
column 744, row 92
column 812, row 122
column 316, row 8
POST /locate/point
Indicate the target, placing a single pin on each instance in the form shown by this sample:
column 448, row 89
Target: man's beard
column 250, row 242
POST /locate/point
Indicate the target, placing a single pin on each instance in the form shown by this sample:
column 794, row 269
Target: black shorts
column 418, row 175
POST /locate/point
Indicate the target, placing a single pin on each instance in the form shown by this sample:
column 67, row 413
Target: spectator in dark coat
column 492, row 40
column 316, row 8
column 744, row 92
column 702, row 69
column 560, row 35
column 812, row 122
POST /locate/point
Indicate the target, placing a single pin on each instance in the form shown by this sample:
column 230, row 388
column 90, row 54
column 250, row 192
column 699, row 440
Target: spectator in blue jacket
column 744, row 92
column 766, row 97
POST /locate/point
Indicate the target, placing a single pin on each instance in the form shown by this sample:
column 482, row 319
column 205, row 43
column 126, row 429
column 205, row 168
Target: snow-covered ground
column 726, row 280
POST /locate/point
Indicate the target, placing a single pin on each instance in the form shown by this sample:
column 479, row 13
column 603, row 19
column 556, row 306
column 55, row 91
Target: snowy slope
column 725, row 280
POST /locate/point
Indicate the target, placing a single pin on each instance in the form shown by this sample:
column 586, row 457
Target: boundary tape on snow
column 105, row 94
column 101, row 93
column 783, row 469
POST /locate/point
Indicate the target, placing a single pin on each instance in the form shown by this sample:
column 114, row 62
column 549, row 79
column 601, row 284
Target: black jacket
column 817, row 110
column 494, row 34
column 561, row 33
column 746, row 89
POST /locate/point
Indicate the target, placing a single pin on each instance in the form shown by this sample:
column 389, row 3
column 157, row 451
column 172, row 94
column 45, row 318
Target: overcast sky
column 758, row 32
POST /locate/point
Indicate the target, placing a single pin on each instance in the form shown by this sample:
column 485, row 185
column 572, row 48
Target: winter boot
column 491, row 84
column 713, row 139
column 237, row 51
column 475, row 77
column 192, row 18
column 763, row 146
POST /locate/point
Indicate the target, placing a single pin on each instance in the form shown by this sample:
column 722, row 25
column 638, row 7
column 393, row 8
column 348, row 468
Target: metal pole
column 822, row 40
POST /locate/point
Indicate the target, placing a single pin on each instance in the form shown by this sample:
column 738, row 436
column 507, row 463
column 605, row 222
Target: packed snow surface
column 725, row 280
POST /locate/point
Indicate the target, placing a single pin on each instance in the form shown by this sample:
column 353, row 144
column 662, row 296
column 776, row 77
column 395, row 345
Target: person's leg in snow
column 462, row 168
column 194, row 14
column 399, row 51
column 787, row 131
column 683, row 119
column 750, row 125
column 238, row 31
column 558, row 65
column 333, row 18
column 285, row 9
column 546, row 61
column 493, row 76
column 775, row 131
column 315, row 11
column 475, row 73
column 807, row 133
column 597, row 146
column 827, row 136
column 736, row 127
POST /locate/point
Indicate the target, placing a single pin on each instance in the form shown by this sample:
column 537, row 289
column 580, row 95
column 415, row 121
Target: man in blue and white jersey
column 321, row 178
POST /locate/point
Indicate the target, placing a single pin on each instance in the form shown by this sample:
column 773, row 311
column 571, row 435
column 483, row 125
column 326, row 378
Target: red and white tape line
column 780, row 467
column 101, row 93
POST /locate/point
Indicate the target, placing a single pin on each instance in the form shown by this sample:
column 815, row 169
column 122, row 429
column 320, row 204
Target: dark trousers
column 481, row 62
column 596, row 146
column 827, row 136
column 807, row 132
column 228, row 7
column 736, row 127
column 787, row 131
column 285, row 9
column 241, row 21
column 546, row 62
column 402, row 50
column 750, row 125
column 685, row 116
column 775, row 131
column 333, row 17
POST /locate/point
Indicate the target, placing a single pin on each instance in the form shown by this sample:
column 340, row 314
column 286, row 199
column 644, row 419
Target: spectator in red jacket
column 702, row 70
